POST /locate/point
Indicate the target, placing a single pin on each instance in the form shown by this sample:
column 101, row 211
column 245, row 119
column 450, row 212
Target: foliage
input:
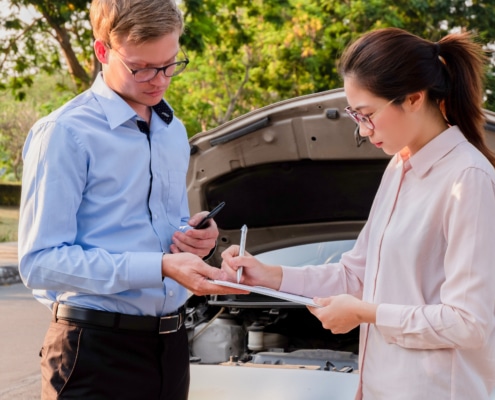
column 9, row 220
column 57, row 38
column 10, row 195
column 247, row 54
column 244, row 53
column 12, row 133
column 16, row 118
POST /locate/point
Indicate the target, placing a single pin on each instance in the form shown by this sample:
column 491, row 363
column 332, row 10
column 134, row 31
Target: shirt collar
column 436, row 149
column 117, row 111
column 164, row 111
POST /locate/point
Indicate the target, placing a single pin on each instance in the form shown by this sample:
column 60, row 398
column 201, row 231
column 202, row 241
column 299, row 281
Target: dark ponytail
column 392, row 63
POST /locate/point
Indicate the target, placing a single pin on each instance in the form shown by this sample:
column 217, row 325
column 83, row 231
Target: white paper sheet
column 269, row 292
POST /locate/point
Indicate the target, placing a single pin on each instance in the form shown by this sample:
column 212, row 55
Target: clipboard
column 307, row 301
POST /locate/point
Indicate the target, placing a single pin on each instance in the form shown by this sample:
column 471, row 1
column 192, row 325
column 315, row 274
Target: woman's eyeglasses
column 360, row 118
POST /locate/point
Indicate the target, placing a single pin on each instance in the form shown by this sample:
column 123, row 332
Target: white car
column 300, row 177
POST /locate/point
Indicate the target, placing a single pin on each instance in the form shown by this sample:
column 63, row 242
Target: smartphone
column 204, row 222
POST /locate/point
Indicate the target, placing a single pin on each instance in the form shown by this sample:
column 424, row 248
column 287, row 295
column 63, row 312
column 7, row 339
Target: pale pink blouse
column 427, row 257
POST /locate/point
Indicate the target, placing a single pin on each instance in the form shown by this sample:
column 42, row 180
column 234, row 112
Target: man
column 105, row 238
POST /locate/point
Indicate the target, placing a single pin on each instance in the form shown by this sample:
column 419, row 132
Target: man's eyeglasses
column 360, row 118
column 147, row 74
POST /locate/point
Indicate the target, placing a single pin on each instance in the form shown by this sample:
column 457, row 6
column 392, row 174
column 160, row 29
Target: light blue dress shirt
column 100, row 204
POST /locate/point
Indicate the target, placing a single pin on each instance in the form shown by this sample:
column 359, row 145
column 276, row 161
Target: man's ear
column 414, row 101
column 101, row 51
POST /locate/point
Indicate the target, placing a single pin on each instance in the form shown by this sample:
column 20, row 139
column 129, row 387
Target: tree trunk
column 77, row 72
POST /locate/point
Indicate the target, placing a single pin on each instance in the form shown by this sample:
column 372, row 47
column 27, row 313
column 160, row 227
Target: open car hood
column 294, row 172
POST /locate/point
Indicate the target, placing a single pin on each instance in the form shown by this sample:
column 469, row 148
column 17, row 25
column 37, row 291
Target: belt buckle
column 167, row 324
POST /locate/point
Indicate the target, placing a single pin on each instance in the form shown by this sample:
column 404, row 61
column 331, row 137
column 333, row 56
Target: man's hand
column 194, row 274
column 196, row 241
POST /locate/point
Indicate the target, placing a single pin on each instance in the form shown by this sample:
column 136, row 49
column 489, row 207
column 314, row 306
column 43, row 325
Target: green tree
column 244, row 54
column 12, row 133
column 247, row 54
column 430, row 19
column 57, row 38
column 16, row 118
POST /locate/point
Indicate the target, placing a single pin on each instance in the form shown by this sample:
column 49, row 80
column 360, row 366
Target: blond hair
column 135, row 21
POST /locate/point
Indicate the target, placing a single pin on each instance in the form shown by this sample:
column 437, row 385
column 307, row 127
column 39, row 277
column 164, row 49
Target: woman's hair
column 136, row 21
column 392, row 63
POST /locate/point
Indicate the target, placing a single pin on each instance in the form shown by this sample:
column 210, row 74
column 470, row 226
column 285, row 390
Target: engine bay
column 254, row 330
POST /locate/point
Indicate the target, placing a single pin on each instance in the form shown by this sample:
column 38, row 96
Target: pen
column 242, row 247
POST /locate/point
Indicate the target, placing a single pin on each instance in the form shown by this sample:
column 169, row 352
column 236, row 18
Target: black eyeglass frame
column 182, row 64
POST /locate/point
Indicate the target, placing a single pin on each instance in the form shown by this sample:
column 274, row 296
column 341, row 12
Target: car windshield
column 307, row 254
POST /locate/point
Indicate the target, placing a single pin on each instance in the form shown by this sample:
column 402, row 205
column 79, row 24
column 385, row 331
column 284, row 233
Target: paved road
column 8, row 263
column 8, row 254
column 23, row 323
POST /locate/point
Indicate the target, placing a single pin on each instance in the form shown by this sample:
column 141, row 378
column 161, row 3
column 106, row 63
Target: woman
column 419, row 280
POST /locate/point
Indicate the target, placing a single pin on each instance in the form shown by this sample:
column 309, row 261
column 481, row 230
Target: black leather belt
column 167, row 324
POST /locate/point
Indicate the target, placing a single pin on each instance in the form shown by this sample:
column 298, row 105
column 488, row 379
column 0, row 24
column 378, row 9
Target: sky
column 26, row 14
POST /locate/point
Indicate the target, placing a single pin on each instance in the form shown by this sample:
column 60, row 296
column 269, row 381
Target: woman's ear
column 414, row 101
column 101, row 51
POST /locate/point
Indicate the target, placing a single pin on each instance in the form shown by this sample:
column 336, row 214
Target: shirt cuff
column 145, row 270
column 388, row 322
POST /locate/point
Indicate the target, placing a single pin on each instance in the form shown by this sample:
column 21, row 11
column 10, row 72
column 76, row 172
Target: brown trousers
column 81, row 362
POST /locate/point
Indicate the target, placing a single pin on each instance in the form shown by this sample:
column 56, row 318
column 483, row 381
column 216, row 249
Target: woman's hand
column 254, row 273
column 343, row 313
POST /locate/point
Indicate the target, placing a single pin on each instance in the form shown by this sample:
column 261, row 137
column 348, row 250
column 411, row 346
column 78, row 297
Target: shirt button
column 171, row 293
column 155, row 216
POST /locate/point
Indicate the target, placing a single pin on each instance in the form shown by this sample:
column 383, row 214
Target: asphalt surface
column 23, row 323
column 8, row 263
